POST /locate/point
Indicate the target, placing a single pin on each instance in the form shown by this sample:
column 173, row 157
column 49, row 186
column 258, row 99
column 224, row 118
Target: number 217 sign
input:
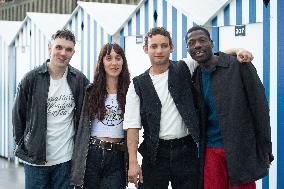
column 240, row 30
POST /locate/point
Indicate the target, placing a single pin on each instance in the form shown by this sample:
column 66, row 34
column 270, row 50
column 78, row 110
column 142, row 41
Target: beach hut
column 31, row 41
column 174, row 15
column 7, row 32
column 94, row 25
column 258, row 26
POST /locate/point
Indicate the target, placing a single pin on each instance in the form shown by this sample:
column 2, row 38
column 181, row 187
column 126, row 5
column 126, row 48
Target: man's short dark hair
column 158, row 31
column 65, row 34
column 196, row 28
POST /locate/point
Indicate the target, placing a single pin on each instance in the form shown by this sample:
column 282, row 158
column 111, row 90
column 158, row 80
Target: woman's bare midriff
column 114, row 140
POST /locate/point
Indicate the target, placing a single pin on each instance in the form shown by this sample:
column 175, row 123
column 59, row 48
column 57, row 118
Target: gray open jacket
column 30, row 111
column 81, row 147
column 243, row 115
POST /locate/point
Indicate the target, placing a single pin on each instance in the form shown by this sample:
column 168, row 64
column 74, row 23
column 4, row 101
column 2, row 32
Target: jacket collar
column 223, row 60
column 44, row 68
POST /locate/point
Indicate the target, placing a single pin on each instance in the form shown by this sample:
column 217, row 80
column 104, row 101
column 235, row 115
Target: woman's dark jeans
column 104, row 169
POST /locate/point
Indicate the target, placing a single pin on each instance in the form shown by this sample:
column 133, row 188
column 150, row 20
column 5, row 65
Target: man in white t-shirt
column 161, row 101
column 46, row 114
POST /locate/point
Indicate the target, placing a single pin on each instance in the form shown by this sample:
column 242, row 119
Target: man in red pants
column 234, row 116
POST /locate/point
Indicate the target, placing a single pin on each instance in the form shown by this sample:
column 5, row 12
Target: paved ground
column 11, row 177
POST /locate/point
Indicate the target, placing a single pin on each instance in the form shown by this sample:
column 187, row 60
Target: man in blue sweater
column 234, row 116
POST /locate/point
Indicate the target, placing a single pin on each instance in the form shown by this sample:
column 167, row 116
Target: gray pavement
column 11, row 176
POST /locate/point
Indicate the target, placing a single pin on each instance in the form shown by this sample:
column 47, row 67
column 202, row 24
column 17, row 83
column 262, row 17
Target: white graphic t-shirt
column 60, row 126
column 111, row 125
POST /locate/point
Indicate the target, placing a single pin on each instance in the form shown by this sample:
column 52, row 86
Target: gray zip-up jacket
column 29, row 114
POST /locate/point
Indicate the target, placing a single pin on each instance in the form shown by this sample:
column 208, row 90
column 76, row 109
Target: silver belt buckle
column 109, row 149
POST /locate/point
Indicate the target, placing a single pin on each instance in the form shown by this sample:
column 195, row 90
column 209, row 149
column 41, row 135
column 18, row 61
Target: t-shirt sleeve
column 132, row 118
column 192, row 64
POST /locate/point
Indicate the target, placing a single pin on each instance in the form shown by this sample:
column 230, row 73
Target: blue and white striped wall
column 3, row 98
column 31, row 41
column 90, row 38
column 237, row 12
column 31, row 48
column 93, row 25
column 5, row 87
column 249, row 12
column 169, row 16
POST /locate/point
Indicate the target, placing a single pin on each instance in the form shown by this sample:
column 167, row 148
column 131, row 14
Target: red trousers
column 216, row 174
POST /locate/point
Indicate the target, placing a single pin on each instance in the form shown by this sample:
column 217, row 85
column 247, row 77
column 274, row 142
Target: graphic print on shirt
column 113, row 115
column 60, row 105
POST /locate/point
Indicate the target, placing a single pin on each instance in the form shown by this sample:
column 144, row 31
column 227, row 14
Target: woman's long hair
column 98, row 93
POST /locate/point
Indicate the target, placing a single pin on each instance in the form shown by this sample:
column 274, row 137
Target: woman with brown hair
column 99, row 156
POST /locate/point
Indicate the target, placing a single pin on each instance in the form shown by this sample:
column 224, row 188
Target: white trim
column 245, row 11
column 273, row 91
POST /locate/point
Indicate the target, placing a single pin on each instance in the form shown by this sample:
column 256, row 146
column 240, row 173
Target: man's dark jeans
column 48, row 177
column 104, row 169
column 177, row 162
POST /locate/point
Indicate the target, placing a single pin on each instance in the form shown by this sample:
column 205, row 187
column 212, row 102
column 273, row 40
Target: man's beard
column 161, row 62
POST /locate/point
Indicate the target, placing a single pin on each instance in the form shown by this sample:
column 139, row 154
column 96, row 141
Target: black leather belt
column 106, row 145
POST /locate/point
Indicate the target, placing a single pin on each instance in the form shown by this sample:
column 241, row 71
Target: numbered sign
column 139, row 39
column 240, row 30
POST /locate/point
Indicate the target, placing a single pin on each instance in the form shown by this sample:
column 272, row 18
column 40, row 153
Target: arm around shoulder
column 242, row 55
